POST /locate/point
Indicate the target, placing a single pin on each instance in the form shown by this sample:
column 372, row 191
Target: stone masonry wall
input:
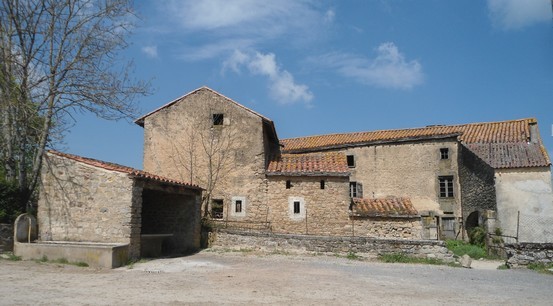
column 267, row 242
column 322, row 211
column 79, row 202
column 409, row 169
column 6, row 237
column 477, row 179
column 399, row 228
column 522, row 254
column 180, row 140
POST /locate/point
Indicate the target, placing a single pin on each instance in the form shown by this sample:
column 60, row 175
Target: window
column 351, row 161
column 296, row 208
column 218, row 119
column 288, row 184
column 322, row 184
column 446, row 186
column 355, row 190
column 238, row 206
column 444, row 153
column 297, row 205
column 217, row 209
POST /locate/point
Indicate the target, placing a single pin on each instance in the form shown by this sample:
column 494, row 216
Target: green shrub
column 477, row 236
column 460, row 248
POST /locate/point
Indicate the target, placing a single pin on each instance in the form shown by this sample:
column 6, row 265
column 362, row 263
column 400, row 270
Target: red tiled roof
column 327, row 164
column 123, row 169
column 490, row 132
column 503, row 144
column 386, row 207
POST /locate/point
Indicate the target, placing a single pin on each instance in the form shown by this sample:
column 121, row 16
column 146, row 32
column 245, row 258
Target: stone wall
column 477, row 179
column 409, row 169
column 284, row 243
column 79, row 202
column 180, row 140
column 6, row 237
column 399, row 228
column 322, row 211
column 521, row 254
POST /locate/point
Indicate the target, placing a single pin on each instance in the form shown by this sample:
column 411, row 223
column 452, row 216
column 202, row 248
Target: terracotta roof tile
column 385, row 207
column 489, row 132
column 123, row 169
column 327, row 164
column 503, row 144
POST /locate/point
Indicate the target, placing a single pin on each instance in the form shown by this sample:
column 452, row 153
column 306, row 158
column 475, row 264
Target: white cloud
column 282, row 86
column 516, row 14
column 150, row 51
column 389, row 69
column 235, row 21
column 330, row 15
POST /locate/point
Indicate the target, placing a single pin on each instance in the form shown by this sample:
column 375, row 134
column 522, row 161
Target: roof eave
column 368, row 143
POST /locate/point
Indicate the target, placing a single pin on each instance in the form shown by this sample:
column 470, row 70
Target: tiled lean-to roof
column 503, row 144
column 123, row 169
column 386, row 207
column 315, row 164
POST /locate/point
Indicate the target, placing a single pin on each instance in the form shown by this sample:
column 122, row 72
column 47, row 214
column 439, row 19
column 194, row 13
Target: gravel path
column 240, row 278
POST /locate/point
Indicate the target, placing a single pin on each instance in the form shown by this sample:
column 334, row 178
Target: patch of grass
column 461, row 248
column 131, row 262
column 540, row 267
column 503, row 267
column 11, row 256
column 402, row 258
column 44, row 258
column 62, row 261
column 353, row 256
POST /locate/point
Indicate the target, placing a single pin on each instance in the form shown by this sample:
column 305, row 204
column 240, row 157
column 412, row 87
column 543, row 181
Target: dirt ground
column 210, row 278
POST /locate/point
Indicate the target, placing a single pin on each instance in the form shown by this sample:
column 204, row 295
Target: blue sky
column 318, row 67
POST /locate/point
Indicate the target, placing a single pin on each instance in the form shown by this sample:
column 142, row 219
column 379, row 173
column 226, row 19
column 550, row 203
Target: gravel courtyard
column 240, row 278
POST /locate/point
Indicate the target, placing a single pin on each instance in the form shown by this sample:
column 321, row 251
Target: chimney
column 534, row 133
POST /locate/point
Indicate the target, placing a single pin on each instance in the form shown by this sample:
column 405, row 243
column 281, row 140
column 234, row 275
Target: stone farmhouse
column 422, row 183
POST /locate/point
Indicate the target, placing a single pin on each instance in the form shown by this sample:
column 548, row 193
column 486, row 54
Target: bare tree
column 203, row 150
column 59, row 57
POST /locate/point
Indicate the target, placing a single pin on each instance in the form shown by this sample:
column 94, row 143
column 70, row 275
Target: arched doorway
column 472, row 221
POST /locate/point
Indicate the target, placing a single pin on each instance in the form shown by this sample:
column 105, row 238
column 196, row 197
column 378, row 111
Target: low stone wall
column 522, row 254
column 6, row 237
column 270, row 242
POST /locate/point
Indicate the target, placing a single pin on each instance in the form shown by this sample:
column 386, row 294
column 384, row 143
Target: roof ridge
column 531, row 120
column 204, row 87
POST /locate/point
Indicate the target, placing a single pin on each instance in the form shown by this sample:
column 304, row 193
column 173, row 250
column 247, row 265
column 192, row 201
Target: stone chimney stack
column 534, row 133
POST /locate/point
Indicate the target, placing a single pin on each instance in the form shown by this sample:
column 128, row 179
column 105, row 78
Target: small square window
column 238, row 206
column 288, row 184
column 322, row 184
column 446, row 186
column 218, row 119
column 444, row 153
column 297, row 206
column 351, row 161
